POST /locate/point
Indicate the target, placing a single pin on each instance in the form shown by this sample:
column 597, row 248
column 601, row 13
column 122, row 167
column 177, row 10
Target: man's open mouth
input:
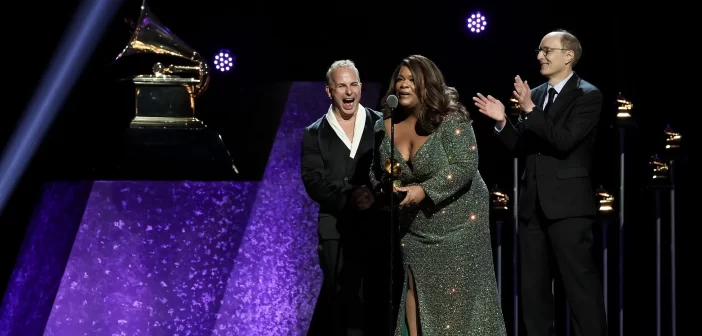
column 348, row 103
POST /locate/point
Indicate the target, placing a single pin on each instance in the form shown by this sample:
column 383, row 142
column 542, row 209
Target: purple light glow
column 176, row 258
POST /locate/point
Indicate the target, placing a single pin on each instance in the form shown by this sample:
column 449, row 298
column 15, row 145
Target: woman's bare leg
column 411, row 306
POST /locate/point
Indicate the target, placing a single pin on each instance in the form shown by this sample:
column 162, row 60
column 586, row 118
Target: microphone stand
column 391, row 102
column 392, row 219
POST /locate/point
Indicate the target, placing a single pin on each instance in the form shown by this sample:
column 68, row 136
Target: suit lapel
column 367, row 140
column 336, row 150
column 567, row 94
column 366, row 143
column 540, row 95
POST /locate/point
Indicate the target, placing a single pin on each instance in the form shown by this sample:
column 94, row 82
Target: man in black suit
column 555, row 133
column 336, row 158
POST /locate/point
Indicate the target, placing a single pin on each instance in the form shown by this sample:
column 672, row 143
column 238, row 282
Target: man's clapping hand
column 522, row 93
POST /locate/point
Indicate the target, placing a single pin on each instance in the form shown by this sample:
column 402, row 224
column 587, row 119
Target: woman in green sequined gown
column 450, row 286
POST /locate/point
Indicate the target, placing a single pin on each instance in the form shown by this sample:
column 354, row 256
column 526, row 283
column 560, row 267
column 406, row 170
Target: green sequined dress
column 446, row 242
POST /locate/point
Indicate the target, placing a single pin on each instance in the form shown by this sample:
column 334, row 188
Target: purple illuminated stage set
column 176, row 258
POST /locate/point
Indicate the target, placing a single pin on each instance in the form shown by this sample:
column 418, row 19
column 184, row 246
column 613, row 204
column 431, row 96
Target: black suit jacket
column 329, row 174
column 557, row 148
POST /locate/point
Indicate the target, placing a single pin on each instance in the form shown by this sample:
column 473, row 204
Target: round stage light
column 224, row 61
column 476, row 23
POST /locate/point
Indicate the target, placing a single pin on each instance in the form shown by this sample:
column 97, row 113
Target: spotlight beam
column 78, row 43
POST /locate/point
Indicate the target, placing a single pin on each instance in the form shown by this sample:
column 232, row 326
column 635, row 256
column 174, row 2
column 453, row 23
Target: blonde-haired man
column 336, row 156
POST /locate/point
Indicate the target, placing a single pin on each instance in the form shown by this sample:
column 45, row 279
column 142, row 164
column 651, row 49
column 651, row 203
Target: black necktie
column 551, row 94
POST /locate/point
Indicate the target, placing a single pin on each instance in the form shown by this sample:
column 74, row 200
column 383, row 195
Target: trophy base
column 165, row 104
column 166, row 122
column 176, row 154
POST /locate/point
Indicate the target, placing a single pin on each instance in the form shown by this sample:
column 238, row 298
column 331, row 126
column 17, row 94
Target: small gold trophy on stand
column 659, row 169
column 673, row 152
column 606, row 200
column 672, row 138
column 624, row 107
column 499, row 201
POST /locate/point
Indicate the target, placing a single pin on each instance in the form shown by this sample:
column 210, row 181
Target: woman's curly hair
column 437, row 99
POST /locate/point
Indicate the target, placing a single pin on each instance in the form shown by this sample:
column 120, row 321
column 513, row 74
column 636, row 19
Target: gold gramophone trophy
column 392, row 180
column 166, row 97
column 624, row 107
column 672, row 138
column 625, row 113
column 605, row 199
column 673, row 152
column 498, row 200
column 514, row 108
column 659, row 169
column 165, row 140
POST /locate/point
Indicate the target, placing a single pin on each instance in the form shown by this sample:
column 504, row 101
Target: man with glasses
column 555, row 133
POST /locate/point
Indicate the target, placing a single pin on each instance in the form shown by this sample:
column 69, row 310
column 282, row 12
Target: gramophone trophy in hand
column 391, row 181
column 391, row 178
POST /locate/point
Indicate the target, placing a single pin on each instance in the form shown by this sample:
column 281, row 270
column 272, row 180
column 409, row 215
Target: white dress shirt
column 357, row 129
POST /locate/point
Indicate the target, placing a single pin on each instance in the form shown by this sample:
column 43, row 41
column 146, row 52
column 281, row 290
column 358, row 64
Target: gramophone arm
column 182, row 68
column 202, row 71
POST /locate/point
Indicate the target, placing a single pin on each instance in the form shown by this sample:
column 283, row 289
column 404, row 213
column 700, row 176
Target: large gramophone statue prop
column 165, row 139
column 165, row 97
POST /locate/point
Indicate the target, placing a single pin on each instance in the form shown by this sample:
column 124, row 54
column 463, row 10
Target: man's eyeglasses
column 547, row 50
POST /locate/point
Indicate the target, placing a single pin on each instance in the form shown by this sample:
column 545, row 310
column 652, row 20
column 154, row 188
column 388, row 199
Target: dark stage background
column 285, row 42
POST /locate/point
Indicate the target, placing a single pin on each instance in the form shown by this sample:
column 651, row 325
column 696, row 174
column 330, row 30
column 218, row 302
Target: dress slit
column 403, row 308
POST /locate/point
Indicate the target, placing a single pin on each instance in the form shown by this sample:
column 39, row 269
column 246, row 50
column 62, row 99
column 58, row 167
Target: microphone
column 391, row 101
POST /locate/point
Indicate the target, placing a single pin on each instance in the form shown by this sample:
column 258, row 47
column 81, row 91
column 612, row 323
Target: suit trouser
column 569, row 241
column 339, row 308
